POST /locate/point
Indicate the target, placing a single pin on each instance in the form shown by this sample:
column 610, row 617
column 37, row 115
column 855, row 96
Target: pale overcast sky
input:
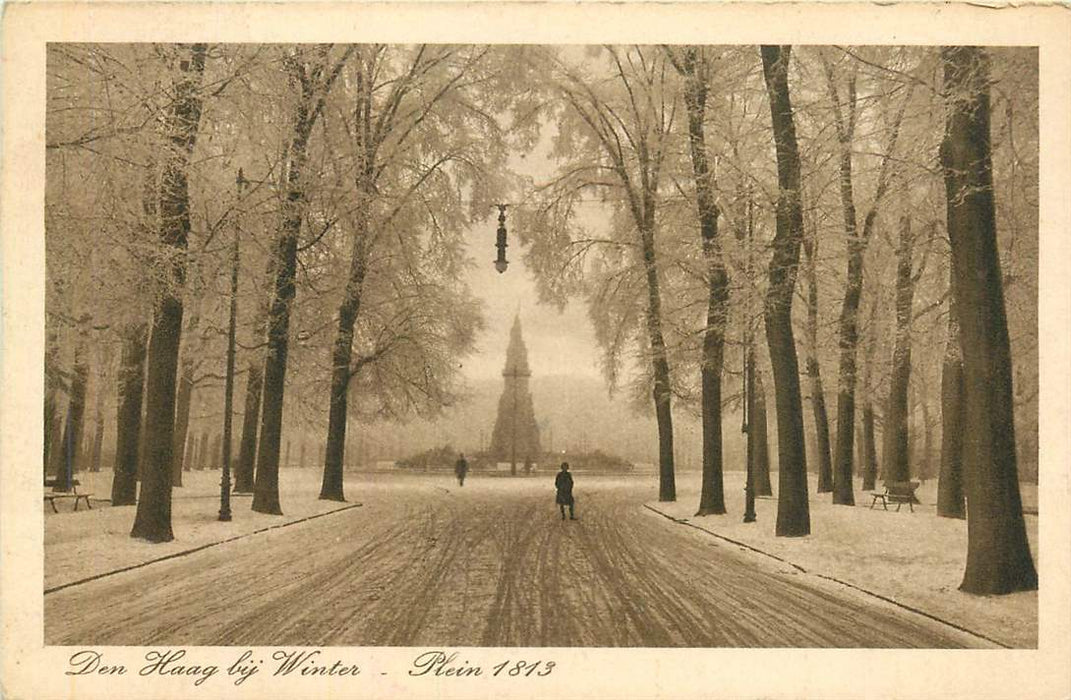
column 558, row 343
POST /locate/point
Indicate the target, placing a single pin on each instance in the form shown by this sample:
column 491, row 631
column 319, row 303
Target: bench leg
column 909, row 505
column 52, row 502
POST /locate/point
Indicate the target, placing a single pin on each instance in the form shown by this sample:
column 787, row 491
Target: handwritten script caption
column 303, row 663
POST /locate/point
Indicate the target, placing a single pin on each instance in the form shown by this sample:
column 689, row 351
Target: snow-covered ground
column 426, row 563
column 82, row 544
column 913, row 558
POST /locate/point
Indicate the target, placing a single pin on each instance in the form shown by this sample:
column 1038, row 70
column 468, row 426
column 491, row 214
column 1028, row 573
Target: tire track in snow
column 490, row 565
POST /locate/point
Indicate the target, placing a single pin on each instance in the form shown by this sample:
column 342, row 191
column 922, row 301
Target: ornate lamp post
column 228, row 401
column 749, row 382
column 500, row 262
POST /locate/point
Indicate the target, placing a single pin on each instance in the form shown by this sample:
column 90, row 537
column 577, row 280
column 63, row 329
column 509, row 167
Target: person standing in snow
column 461, row 468
column 563, row 482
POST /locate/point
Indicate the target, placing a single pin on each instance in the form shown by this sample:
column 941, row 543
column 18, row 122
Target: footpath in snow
column 84, row 544
column 916, row 559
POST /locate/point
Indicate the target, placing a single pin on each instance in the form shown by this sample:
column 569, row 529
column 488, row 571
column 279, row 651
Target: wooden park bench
column 898, row 492
column 51, row 496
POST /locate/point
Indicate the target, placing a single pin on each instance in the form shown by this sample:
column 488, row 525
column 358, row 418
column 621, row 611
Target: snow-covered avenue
column 490, row 564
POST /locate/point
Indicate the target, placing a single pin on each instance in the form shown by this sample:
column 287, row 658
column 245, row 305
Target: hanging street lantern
column 500, row 262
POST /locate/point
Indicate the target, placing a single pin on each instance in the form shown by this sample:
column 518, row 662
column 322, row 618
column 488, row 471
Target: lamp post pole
column 228, row 400
column 749, row 398
column 749, row 382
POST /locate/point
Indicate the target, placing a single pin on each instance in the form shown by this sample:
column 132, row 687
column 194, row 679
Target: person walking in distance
column 461, row 468
column 564, row 484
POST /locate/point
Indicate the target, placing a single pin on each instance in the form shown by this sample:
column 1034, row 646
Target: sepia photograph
column 427, row 292
column 486, row 352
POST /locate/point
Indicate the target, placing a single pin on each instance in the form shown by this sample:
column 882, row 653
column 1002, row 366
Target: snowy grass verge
column 916, row 559
column 89, row 543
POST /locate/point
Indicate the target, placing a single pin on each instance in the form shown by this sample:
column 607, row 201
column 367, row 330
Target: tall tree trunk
column 667, row 487
column 217, row 452
column 153, row 519
column 60, row 389
column 814, row 370
column 950, row 497
column 758, row 455
column 141, row 436
column 98, row 424
column 926, row 471
column 86, row 455
column 266, row 488
column 998, row 553
column 98, row 443
column 758, row 423
column 712, row 497
column 128, row 418
column 247, row 449
column 793, row 508
column 182, row 407
column 870, row 448
column 245, row 465
column 182, row 422
column 860, row 450
column 869, row 467
column 51, row 435
column 190, row 452
column 843, row 493
column 72, row 428
column 895, row 459
column 204, row 459
column 314, row 90
column 331, row 487
column 315, row 86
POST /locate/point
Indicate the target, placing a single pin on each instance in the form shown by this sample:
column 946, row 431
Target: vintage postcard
column 535, row 350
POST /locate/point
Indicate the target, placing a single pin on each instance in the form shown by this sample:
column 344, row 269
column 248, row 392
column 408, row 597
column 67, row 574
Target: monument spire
column 516, row 434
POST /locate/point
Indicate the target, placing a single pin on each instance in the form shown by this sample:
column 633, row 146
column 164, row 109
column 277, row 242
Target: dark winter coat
column 564, row 483
column 461, row 468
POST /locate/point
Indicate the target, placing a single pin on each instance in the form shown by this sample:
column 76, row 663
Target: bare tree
column 315, row 73
column 153, row 519
column 998, row 553
column 950, row 497
column 431, row 85
column 845, row 112
column 692, row 63
column 616, row 133
column 895, row 455
column 793, row 508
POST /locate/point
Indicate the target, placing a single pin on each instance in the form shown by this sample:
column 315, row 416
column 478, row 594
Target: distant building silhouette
column 516, row 434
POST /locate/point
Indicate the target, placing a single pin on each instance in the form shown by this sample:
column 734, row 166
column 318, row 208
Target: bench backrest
column 904, row 489
column 55, row 482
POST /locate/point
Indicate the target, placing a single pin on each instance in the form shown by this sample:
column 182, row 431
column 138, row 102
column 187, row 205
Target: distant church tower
column 516, row 434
